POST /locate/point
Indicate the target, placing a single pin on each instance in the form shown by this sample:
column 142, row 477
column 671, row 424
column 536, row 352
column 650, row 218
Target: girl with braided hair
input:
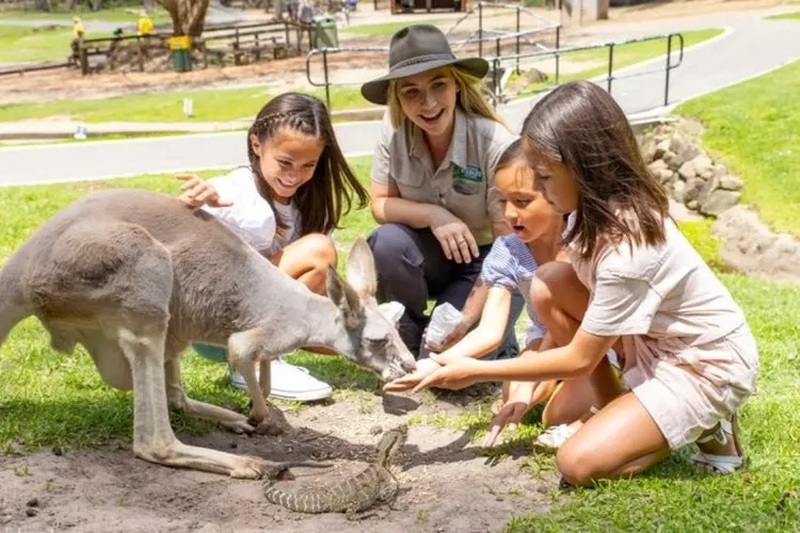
column 285, row 204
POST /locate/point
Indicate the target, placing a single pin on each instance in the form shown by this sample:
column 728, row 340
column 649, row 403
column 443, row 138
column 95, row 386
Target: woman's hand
column 424, row 367
column 197, row 192
column 454, row 236
column 459, row 374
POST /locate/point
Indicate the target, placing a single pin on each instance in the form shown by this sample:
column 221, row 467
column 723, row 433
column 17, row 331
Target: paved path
column 751, row 47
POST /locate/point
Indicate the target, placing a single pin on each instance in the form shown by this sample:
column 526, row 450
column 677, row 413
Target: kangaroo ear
column 345, row 298
column 392, row 311
column 361, row 269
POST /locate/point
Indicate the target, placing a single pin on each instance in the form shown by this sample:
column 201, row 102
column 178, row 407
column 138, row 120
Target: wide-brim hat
column 416, row 49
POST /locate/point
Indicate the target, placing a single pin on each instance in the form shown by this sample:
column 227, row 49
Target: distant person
column 145, row 24
column 78, row 31
column 77, row 36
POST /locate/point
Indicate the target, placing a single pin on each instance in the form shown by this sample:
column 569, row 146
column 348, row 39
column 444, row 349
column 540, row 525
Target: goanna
column 376, row 483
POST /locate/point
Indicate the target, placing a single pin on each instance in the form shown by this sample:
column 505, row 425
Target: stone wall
column 673, row 155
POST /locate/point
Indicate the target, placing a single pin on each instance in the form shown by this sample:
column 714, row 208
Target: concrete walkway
column 750, row 47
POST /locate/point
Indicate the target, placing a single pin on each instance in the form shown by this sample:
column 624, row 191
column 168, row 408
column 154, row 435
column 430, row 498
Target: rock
column 660, row 171
column 703, row 166
column 719, row 201
column 693, row 188
column 720, row 170
column 731, row 183
column 687, row 171
column 661, row 149
column 709, row 186
column 670, row 158
column 679, row 191
column 692, row 204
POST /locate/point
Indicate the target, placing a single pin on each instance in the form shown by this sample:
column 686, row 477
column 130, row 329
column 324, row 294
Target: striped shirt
column 511, row 265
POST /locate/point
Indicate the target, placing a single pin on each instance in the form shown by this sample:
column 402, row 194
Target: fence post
column 669, row 57
column 141, row 53
column 517, row 39
column 480, row 29
column 327, row 82
column 498, row 87
column 610, row 65
column 558, row 51
column 83, row 57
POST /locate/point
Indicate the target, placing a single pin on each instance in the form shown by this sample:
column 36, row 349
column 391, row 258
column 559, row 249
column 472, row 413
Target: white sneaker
column 289, row 382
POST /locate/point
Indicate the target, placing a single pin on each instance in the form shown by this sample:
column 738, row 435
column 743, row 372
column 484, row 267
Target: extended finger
column 473, row 245
column 186, row 177
column 427, row 381
column 445, row 243
column 455, row 250
column 206, row 195
column 465, row 250
column 191, row 184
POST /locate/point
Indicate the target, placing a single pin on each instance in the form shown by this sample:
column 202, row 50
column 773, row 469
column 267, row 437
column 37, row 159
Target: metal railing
column 557, row 53
column 498, row 60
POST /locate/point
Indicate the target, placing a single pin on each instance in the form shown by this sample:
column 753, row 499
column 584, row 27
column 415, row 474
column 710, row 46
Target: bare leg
column 561, row 301
column 307, row 260
column 619, row 441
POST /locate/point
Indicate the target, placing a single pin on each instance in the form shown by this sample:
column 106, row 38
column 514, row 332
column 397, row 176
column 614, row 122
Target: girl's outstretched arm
column 489, row 333
column 577, row 359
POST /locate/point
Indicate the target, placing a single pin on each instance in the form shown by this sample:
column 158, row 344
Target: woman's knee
column 390, row 243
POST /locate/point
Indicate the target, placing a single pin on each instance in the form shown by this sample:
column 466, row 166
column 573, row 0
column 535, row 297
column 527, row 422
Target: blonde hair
column 472, row 97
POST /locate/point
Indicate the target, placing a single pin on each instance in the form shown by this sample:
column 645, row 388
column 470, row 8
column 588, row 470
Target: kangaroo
column 136, row 276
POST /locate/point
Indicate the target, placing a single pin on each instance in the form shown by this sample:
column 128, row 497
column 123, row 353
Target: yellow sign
column 180, row 42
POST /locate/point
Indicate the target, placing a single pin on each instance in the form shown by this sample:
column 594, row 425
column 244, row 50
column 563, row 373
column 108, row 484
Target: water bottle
column 444, row 320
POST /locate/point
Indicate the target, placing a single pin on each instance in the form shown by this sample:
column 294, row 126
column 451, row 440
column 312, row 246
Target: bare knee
column 320, row 250
column 576, row 463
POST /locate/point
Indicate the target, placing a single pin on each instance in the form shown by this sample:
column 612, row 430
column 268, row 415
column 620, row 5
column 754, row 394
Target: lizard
column 375, row 483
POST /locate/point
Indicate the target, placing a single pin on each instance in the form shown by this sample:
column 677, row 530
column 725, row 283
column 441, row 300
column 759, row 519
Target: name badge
column 467, row 180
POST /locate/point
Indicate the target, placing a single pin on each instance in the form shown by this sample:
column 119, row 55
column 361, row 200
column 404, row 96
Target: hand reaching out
column 197, row 192
column 424, row 367
column 521, row 397
column 459, row 374
column 454, row 236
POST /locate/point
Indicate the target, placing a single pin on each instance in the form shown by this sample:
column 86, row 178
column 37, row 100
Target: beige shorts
column 688, row 389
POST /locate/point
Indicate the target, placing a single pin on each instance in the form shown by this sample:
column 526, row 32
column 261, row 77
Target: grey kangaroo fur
column 136, row 276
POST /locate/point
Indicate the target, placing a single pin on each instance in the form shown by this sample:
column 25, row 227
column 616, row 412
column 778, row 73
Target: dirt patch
column 447, row 486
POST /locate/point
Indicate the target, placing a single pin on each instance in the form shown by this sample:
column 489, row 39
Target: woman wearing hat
column 433, row 181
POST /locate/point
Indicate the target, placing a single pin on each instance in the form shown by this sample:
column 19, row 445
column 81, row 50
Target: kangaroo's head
column 371, row 328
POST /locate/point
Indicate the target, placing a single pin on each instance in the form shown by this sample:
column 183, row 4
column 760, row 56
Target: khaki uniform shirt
column 463, row 184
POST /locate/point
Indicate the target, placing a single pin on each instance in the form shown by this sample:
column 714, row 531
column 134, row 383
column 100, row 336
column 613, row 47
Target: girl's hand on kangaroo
column 197, row 192
column 454, row 236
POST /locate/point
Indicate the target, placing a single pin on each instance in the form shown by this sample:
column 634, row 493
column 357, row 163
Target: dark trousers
column 413, row 268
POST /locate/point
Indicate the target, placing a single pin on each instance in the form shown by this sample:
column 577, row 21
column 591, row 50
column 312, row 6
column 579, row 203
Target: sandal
column 720, row 464
column 553, row 437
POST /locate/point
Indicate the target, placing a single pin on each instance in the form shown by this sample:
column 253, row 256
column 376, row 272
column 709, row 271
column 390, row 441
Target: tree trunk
column 188, row 16
column 42, row 5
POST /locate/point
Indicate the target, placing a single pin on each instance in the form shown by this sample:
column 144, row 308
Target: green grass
column 48, row 399
column 209, row 105
column 591, row 63
column 386, row 28
column 786, row 16
column 20, row 44
column 125, row 15
column 754, row 130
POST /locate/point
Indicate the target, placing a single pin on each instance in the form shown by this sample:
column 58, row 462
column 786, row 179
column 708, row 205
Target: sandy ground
column 447, row 485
